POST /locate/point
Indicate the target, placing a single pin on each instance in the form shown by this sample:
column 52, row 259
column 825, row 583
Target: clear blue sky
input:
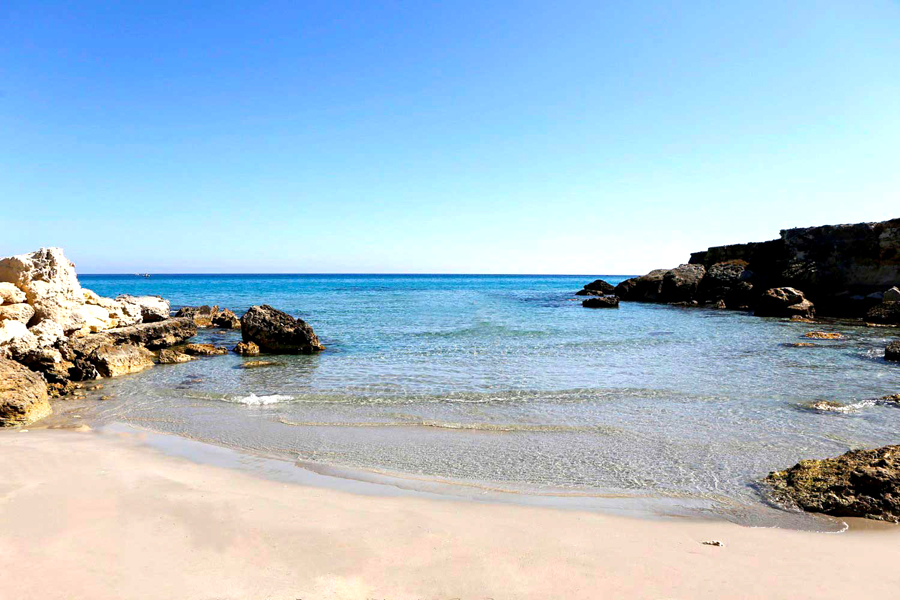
column 504, row 137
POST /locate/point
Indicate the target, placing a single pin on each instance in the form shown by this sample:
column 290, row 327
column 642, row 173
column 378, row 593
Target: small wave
column 837, row 407
column 254, row 400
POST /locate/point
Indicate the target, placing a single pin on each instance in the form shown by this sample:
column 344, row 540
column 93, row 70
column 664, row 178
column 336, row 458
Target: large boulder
column 598, row 287
column 886, row 313
column 23, row 395
column 112, row 360
column 226, row 320
column 151, row 308
column 784, row 302
column 162, row 334
column 601, row 302
column 16, row 312
column 860, row 483
column 276, row 331
column 120, row 313
column 645, row 288
column 201, row 315
column 10, row 294
column 892, row 352
column 730, row 282
column 48, row 279
column 681, row 283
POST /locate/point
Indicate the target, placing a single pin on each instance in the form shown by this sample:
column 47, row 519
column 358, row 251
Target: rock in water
column 645, row 288
column 23, row 395
column 202, row 315
column 681, row 283
column 48, row 279
column 276, row 331
column 598, row 287
column 886, row 313
column 226, row 320
column 784, row 302
column 169, row 356
column 860, row 483
column 601, row 302
column 114, row 360
column 152, row 308
column 203, row 350
column 892, row 352
column 246, row 348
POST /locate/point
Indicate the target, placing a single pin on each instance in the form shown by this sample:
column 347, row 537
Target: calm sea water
column 507, row 382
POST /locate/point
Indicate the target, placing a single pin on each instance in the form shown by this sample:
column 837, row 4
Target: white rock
column 121, row 313
column 90, row 297
column 47, row 332
column 10, row 294
column 892, row 295
column 96, row 318
column 16, row 312
column 48, row 279
column 153, row 308
column 15, row 339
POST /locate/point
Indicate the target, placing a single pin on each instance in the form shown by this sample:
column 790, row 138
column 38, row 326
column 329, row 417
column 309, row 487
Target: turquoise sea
column 507, row 383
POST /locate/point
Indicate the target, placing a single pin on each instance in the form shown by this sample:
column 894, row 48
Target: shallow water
column 508, row 383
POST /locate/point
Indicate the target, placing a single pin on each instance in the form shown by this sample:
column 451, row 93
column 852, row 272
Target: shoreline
column 99, row 515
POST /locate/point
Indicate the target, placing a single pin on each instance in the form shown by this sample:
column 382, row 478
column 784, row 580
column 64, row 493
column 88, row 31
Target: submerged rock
column 23, row 395
column 276, row 331
column 860, row 483
column 823, row 335
column 601, row 302
column 254, row 364
column 246, row 348
column 168, row 356
column 203, row 350
column 784, row 302
column 892, row 352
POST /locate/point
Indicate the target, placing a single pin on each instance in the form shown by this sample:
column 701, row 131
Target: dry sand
column 84, row 515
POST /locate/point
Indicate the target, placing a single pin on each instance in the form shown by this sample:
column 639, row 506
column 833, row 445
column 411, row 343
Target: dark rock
column 276, row 331
column 201, row 315
column 246, row 348
column 729, row 282
column 23, row 395
column 226, row 320
column 601, row 302
column 860, row 483
column 892, row 352
column 681, row 283
column 598, row 285
column 784, row 302
column 886, row 313
column 203, row 350
column 645, row 288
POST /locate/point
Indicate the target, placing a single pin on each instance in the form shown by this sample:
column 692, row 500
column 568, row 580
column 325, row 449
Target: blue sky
column 490, row 137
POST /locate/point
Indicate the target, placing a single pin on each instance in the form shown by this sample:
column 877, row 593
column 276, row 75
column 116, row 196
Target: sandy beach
column 102, row 515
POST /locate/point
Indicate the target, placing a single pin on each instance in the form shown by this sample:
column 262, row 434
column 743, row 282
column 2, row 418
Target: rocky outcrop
column 276, row 331
column 246, row 349
column 226, row 320
column 860, row 483
column 729, row 282
column 892, row 295
column 598, row 287
column 162, row 334
column 10, row 294
column 201, row 315
column 48, row 280
column 886, row 313
column 112, row 360
column 23, row 395
column 170, row 356
column 892, row 352
column 681, row 283
column 151, row 308
column 783, row 302
column 16, row 312
column 601, row 302
column 645, row 288
column 202, row 350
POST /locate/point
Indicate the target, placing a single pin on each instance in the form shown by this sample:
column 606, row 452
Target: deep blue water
column 507, row 381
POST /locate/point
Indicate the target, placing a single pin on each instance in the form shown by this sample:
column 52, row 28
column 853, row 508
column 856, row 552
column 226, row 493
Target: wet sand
column 88, row 515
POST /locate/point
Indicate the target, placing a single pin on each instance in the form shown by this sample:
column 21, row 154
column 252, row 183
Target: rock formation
column 226, row 320
column 201, row 315
column 246, row 349
column 892, row 352
column 601, row 302
column 276, row 331
column 598, row 287
column 23, row 395
column 860, row 483
column 784, row 302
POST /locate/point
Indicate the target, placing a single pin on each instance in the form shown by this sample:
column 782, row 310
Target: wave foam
column 254, row 400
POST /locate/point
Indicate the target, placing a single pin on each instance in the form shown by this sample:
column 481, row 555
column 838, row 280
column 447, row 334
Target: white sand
column 94, row 516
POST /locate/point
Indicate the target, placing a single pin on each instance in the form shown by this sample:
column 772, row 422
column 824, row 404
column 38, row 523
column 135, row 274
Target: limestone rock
column 23, row 395
column 860, row 483
column 16, row 312
column 121, row 313
column 226, row 320
column 601, row 302
column 203, row 350
column 276, row 331
column 10, row 294
column 48, row 279
column 254, row 364
column 96, row 318
column 784, row 302
column 892, row 295
column 161, row 334
column 169, row 356
column 246, row 348
column 892, row 352
column 152, row 308
column 202, row 315
column 15, row 339
column 113, row 360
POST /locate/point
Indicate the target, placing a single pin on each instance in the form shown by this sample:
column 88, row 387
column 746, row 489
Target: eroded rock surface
column 784, row 302
column 276, row 331
column 23, row 395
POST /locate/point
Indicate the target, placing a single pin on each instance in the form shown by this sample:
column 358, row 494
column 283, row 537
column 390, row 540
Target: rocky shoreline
column 55, row 335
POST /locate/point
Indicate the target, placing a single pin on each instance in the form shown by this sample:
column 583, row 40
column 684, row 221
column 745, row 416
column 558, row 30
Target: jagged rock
column 121, row 313
column 598, row 287
column 860, row 483
column 16, row 312
column 226, row 320
column 201, row 315
column 892, row 295
column 784, row 302
column 10, row 294
column 601, row 302
column 23, row 395
column 886, row 313
column 120, row 359
column 645, row 288
column 48, row 279
column 892, row 352
column 246, row 348
column 729, row 282
column 96, row 318
column 681, row 283
column 152, row 308
column 276, row 331
column 168, row 356
column 203, row 350
column 161, row 334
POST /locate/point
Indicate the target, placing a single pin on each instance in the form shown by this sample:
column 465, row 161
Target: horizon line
column 416, row 274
